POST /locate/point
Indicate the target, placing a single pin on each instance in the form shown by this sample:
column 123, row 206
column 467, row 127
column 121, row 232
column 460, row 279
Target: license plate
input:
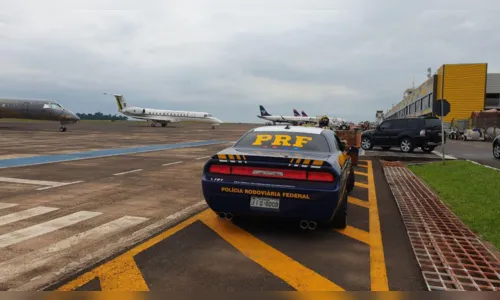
column 265, row 202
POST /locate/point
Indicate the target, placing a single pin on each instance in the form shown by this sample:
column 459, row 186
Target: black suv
column 406, row 133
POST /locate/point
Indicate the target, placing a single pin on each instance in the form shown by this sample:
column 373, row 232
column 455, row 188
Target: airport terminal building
column 467, row 87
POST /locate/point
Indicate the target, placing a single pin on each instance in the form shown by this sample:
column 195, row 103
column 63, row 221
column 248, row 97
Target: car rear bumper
column 320, row 207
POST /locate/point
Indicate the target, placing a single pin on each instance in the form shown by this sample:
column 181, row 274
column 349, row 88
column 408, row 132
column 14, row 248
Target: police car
column 291, row 172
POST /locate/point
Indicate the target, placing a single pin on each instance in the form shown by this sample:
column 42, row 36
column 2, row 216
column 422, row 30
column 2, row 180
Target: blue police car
column 292, row 172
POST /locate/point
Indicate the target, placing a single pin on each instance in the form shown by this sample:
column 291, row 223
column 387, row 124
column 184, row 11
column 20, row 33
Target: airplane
column 37, row 110
column 162, row 116
column 294, row 120
column 304, row 114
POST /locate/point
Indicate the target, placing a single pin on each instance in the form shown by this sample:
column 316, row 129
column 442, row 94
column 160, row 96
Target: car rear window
column 432, row 123
column 295, row 141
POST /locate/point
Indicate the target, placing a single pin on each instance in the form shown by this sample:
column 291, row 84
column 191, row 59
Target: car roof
column 294, row 129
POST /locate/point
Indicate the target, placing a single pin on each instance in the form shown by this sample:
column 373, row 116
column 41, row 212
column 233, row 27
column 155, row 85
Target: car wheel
column 351, row 180
column 366, row 143
column 406, row 145
column 428, row 149
column 340, row 219
column 496, row 150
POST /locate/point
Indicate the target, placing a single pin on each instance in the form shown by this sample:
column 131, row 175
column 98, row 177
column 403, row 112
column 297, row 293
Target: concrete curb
column 486, row 166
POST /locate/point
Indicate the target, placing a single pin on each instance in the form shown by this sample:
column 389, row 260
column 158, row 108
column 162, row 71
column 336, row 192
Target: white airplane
column 162, row 116
column 284, row 119
column 335, row 123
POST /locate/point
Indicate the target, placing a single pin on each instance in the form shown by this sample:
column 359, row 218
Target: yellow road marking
column 378, row 271
column 122, row 274
column 356, row 233
column 363, row 185
column 282, row 266
column 358, row 202
column 362, row 165
column 78, row 282
column 360, row 173
column 127, row 273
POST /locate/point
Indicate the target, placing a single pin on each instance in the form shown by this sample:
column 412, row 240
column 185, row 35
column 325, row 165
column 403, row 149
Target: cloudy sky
column 344, row 58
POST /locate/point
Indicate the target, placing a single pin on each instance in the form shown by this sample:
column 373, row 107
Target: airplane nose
column 71, row 116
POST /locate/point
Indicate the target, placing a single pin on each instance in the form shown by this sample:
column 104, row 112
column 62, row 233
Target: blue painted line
column 47, row 159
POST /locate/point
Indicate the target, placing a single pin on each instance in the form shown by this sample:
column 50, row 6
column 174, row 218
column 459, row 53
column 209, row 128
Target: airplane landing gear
column 153, row 125
column 62, row 129
column 164, row 125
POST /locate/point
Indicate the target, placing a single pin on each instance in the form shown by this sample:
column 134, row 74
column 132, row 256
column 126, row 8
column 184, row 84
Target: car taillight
column 272, row 173
column 267, row 172
column 319, row 176
column 219, row 169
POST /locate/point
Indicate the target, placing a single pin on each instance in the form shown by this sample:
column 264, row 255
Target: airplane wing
column 159, row 119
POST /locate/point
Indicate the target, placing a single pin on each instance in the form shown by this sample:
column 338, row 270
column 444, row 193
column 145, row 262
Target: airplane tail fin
column 263, row 111
column 296, row 113
column 304, row 114
column 120, row 101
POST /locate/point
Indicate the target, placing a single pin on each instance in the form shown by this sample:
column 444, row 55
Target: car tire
column 350, row 181
column 340, row 219
column 366, row 143
column 406, row 145
column 496, row 150
column 428, row 149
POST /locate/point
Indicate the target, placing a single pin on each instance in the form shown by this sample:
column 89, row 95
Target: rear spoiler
column 291, row 162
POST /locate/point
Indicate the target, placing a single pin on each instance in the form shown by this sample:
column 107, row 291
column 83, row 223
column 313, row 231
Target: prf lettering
column 282, row 140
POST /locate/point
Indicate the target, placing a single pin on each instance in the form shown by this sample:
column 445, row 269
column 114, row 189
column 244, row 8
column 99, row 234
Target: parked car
column 405, row 133
column 496, row 147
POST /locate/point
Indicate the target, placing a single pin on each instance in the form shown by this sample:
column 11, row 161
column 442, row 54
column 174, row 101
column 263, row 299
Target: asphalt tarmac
column 478, row 151
column 136, row 220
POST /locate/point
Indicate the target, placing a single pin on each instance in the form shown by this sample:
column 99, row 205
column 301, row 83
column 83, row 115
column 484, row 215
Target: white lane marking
column 28, row 181
column 7, row 205
column 127, row 172
column 172, row 163
column 17, row 266
column 203, row 157
column 20, row 235
column 59, row 185
column 79, row 263
column 25, row 214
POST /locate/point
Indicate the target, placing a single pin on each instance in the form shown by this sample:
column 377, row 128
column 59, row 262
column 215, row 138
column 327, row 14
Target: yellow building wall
column 439, row 88
column 464, row 88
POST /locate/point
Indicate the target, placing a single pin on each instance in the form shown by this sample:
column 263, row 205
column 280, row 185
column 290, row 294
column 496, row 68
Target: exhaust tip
column 304, row 224
column 312, row 225
column 229, row 216
column 222, row 215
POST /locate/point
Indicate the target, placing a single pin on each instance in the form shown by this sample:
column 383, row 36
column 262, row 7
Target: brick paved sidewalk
column 451, row 257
